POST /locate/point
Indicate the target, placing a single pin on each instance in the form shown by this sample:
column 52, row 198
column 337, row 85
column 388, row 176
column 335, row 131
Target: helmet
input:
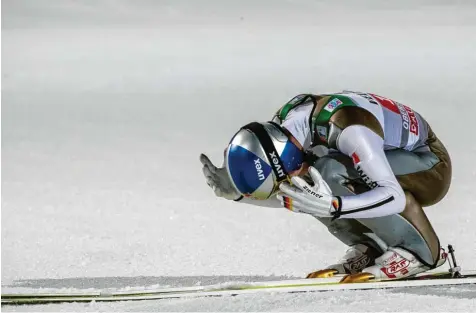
column 259, row 157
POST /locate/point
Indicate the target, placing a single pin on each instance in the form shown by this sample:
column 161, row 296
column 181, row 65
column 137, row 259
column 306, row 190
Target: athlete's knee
column 339, row 173
column 427, row 187
column 411, row 203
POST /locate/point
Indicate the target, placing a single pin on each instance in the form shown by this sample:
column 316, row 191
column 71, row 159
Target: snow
column 107, row 105
column 421, row 300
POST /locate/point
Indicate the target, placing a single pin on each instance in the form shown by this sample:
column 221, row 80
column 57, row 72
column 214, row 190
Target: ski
column 111, row 295
column 286, row 286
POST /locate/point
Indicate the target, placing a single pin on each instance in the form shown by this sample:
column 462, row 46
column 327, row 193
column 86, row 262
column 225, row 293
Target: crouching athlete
column 362, row 164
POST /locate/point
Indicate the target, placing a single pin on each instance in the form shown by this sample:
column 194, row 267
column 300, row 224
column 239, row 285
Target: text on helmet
column 276, row 164
column 259, row 169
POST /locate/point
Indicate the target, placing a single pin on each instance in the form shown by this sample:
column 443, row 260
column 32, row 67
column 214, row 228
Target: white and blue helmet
column 259, row 157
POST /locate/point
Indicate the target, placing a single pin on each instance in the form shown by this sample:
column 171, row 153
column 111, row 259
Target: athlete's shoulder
column 296, row 102
column 328, row 101
column 329, row 104
column 345, row 109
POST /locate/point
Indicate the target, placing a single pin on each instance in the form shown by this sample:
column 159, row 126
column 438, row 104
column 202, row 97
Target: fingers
column 288, row 189
column 317, row 178
column 305, row 208
column 285, row 201
column 289, row 203
column 299, row 207
column 207, row 163
column 306, row 190
column 315, row 175
column 299, row 182
column 293, row 192
column 218, row 192
column 206, row 172
column 210, row 177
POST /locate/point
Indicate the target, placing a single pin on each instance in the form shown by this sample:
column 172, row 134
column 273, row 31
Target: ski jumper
column 384, row 163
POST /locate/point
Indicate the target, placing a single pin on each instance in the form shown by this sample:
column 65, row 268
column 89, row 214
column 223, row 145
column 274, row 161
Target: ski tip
column 322, row 273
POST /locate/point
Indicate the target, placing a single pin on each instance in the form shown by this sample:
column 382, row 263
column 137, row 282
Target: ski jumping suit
column 411, row 170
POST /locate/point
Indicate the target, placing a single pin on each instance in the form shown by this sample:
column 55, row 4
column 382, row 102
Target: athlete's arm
column 365, row 147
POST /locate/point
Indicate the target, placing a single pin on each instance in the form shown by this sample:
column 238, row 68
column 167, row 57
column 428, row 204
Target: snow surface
column 106, row 106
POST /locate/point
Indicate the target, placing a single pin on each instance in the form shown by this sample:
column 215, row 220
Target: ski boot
column 395, row 263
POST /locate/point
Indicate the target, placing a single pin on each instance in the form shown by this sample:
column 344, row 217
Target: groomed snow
column 107, row 105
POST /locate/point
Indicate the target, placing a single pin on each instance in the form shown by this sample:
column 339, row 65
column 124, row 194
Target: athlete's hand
column 301, row 197
column 218, row 179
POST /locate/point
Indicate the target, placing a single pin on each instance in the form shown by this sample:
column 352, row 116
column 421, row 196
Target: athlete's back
column 403, row 128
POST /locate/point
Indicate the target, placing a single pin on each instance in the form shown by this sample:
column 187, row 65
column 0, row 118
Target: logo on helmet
column 259, row 169
column 276, row 164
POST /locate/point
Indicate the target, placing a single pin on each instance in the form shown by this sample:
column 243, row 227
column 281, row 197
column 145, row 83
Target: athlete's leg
column 337, row 169
column 411, row 229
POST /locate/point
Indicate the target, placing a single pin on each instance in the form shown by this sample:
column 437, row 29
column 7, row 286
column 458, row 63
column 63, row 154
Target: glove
column 315, row 200
column 218, row 180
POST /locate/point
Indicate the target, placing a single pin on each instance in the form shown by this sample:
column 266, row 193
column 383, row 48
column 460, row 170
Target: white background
column 106, row 106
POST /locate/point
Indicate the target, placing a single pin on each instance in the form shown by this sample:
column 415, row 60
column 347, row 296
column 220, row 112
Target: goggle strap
column 276, row 163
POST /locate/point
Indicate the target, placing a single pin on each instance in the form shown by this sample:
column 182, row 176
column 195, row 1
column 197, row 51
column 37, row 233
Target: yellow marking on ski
column 363, row 277
column 326, row 273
